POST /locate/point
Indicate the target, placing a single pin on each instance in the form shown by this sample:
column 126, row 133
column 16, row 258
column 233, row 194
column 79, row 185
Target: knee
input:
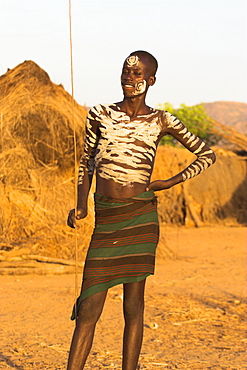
column 88, row 313
column 133, row 311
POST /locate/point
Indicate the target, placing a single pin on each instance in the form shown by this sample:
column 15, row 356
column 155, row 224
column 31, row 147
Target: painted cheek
column 140, row 87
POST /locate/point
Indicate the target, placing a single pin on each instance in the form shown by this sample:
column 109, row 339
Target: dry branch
column 25, row 267
column 59, row 261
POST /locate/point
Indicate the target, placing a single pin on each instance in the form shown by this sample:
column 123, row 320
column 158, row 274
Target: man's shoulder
column 166, row 117
column 96, row 112
column 96, row 109
column 162, row 112
column 162, row 115
column 100, row 109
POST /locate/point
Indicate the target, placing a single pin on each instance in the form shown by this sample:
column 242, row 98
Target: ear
column 151, row 80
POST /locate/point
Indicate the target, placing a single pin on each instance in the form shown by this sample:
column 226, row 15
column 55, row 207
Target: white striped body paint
column 87, row 160
column 188, row 139
column 123, row 149
column 126, row 148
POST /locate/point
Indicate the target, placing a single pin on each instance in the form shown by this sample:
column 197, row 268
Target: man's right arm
column 86, row 170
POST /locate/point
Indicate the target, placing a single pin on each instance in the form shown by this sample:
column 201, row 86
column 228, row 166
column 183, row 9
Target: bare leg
column 89, row 313
column 133, row 331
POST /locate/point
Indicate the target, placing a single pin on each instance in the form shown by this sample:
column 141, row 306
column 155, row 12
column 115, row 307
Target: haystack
column 39, row 117
column 38, row 122
column 217, row 196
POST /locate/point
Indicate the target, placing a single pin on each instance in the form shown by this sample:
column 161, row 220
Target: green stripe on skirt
column 123, row 244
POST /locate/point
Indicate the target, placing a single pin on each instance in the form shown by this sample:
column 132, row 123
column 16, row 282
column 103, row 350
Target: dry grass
column 38, row 120
column 218, row 195
column 38, row 116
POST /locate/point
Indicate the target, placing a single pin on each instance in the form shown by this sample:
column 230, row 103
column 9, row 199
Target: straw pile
column 217, row 196
column 38, row 119
column 37, row 124
column 37, row 178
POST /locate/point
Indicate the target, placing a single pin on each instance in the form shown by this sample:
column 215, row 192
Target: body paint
column 120, row 144
column 125, row 150
column 191, row 140
column 87, row 161
column 140, row 87
column 133, row 60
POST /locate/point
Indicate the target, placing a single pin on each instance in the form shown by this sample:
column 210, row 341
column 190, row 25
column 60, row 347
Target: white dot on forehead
column 133, row 60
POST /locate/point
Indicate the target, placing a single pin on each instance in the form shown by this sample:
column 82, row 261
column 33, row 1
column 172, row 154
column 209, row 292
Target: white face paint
column 133, row 60
column 140, row 87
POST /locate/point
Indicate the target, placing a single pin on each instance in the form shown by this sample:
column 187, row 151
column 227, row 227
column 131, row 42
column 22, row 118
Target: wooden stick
column 60, row 261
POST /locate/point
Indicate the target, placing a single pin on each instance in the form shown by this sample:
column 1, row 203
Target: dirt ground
column 195, row 310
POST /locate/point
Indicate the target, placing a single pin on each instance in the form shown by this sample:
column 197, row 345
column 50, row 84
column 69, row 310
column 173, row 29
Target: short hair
column 150, row 57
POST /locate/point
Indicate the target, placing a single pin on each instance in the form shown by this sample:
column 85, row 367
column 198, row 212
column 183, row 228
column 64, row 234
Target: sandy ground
column 195, row 310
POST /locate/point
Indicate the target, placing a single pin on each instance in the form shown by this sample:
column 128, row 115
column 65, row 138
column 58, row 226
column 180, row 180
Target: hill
column 229, row 114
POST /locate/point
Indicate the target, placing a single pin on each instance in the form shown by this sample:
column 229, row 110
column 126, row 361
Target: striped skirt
column 123, row 244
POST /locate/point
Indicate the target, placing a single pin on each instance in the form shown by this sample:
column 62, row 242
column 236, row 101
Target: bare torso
column 109, row 188
column 125, row 153
column 121, row 150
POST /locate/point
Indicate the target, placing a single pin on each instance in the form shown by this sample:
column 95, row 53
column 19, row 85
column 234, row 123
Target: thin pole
column 75, row 148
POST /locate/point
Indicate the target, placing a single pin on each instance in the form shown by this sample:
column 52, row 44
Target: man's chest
column 126, row 131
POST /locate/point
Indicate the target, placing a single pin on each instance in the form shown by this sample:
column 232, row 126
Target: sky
column 200, row 46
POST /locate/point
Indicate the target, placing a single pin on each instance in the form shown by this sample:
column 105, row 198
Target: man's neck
column 134, row 106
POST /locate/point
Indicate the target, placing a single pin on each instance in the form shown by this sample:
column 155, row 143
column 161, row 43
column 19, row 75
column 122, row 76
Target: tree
column 194, row 118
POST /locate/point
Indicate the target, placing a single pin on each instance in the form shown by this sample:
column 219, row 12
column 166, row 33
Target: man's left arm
column 205, row 156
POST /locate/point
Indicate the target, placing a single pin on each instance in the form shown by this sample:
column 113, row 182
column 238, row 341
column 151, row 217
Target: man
column 121, row 142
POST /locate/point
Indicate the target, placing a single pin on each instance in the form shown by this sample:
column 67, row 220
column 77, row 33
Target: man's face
column 136, row 76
